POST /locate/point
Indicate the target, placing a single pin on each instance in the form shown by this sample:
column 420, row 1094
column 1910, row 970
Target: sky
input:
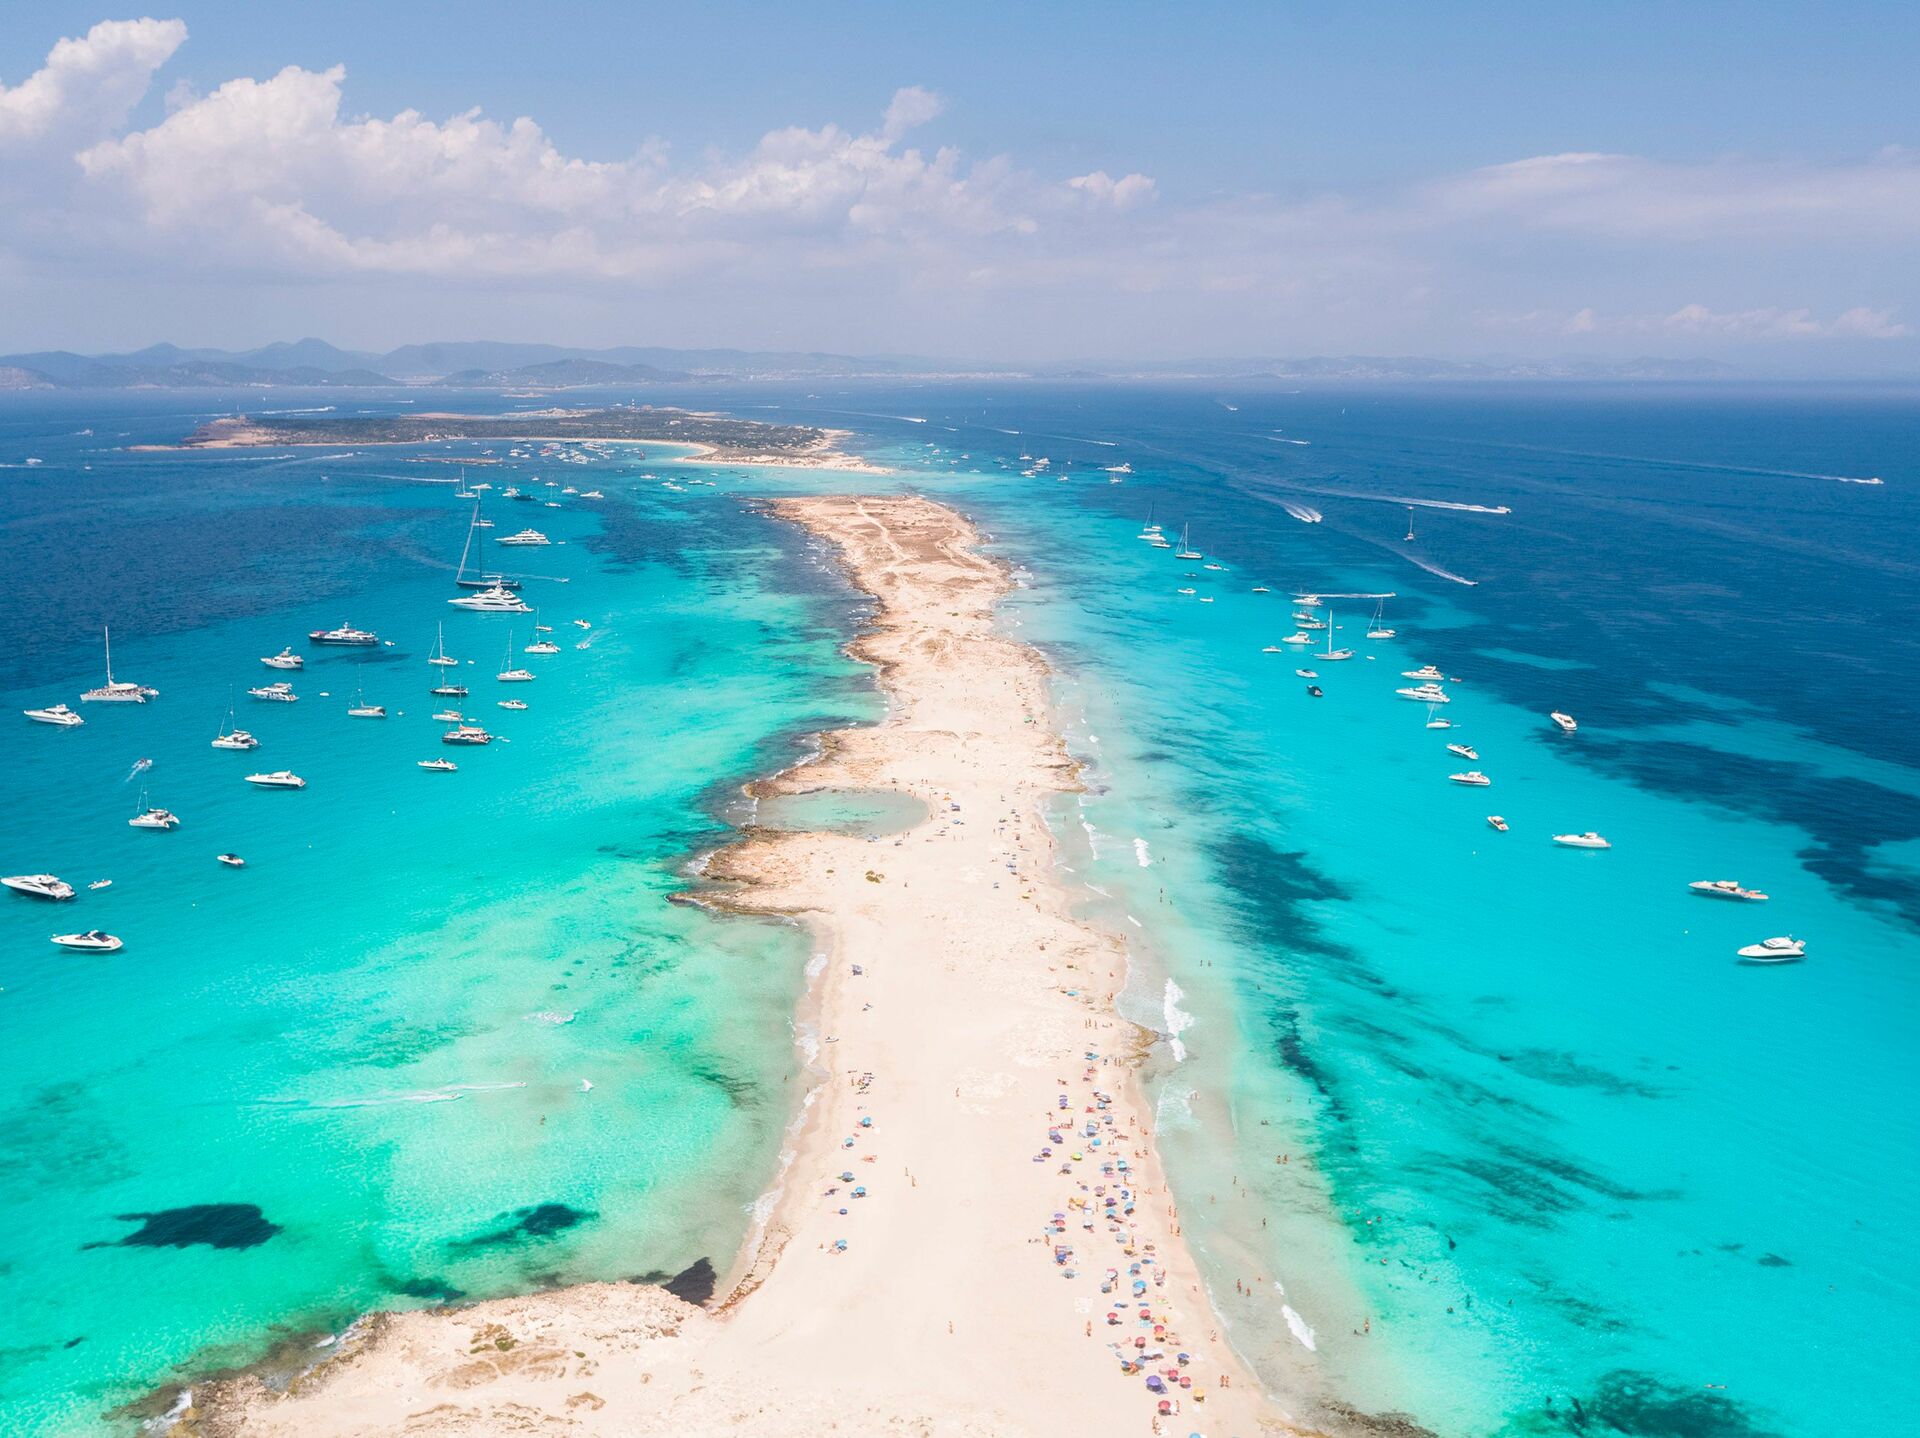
column 1009, row 182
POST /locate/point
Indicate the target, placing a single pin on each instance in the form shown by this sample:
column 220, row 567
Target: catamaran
column 541, row 644
column 121, row 692
column 509, row 674
column 471, row 734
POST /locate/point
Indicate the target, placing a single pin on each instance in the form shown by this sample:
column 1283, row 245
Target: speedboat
column 117, row 692
column 1298, row 639
column 101, row 884
column 1315, row 690
column 583, row 624
column 345, row 634
column 438, row 766
column 1425, row 671
column 58, row 714
column 1774, row 951
column 493, row 600
column 1261, row 589
column 525, row 537
column 466, row 734
column 38, row 886
column 1187, row 591
column 1473, row 778
column 1308, row 673
column 232, row 861
column 593, row 494
column 155, row 819
column 278, row 779
column 1273, row 649
column 1588, row 840
column 1725, row 889
column 513, row 703
column 1425, row 694
column 285, row 659
column 1496, row 822
column 93, row 941
column 280, row 693
column 1565, row 721
column 1465, row 751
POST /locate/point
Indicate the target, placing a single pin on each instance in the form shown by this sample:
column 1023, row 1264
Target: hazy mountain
column 510, row 365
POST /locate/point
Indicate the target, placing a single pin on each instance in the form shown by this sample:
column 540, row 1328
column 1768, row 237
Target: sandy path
column 957, row 1009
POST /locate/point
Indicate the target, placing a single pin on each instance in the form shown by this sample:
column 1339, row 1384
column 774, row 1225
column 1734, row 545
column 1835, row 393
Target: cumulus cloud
column 1121, row 194
column 89, row 86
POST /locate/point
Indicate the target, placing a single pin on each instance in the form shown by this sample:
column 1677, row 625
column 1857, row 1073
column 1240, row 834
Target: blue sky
column 1733, row 180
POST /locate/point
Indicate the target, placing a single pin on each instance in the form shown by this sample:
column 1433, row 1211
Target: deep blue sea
column 1490, row 1132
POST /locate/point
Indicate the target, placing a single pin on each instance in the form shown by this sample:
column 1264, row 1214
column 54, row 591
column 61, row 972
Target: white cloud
column 1766, row 323
column 88, row 86
column 911, row 107
column 1121, row 194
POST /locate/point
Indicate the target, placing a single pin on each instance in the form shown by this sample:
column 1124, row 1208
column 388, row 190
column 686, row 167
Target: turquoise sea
column 1553, row 1161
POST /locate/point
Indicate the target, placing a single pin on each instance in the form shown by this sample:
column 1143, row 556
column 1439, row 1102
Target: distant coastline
column 714, row 438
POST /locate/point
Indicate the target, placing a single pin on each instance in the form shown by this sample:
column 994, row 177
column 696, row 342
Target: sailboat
column 363, row 710
column 480, row 580
column 231, row 737
column 1186, row 550
column 509, row 674
column 122, row 692
column 1409, row 522
column 440, row 656
column 462, row 492
column 1331, row 655
column 1378, row 629
column 541, row 643
column 1149, row 530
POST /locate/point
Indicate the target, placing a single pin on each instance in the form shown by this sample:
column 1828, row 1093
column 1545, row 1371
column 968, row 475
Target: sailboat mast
column 106, row 636
column 472, row 524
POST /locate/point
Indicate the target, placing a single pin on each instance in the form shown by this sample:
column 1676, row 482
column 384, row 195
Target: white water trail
column 1305, row 513
column 1176, row 1019
column 1140, row 853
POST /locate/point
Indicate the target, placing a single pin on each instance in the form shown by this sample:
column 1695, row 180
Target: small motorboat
column 1565, row 721
column 1439, row 723
column 1588, row 840
column 513, row 703
column 1308, row 673
column 438, row 766
column 1465, row 751
column 101, row 884
column 93, row 941
column 1473, row 778
column 1496, row 823
column 232, row 861
column 56, row 714
column 38, row 886
column 1314, row 690
column 285, row 659
column 1726, row 889
column 1273, row 649
column 1774, row 951
column 277, row 779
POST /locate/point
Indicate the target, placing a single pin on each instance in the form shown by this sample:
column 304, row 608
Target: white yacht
column 471, row 734
column 1565, row 721
column 508, row 673
column 493, row 601
column 1298, row 638
column 232, row 738
column 438, row 766
column 232, row 861
column 120, row 692
column 449, row 716
column 1425, row 694
column 277, row 693
column 525, row 537
column 1588, row 840
column 346, row 634
column 1465, row 751
column 1308, row 673
column 513, row 703
column 593, row 494
column 285, row 659
column 1261, row 589
column 541, row 644
column 1186, row 550
column 363, row 710
column 38, row 886
column 1473, row 778
column 278, row 779
column 1425, row 671
column 1497, row 823
column 58, row 714
column 1726, row 889
column 1273, row 649
column 440, row 656
column 1774, row 951
column 93, row 941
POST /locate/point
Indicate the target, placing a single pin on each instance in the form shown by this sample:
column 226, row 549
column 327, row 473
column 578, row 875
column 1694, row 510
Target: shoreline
column 970, row 1072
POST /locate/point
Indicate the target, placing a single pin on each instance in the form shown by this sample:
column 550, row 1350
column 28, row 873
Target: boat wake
column 1305, row 513
column 1282, row 439
column 1140, row 853
column 1435, row 569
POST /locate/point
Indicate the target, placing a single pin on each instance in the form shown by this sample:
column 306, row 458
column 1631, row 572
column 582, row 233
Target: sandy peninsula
column 973, row 1236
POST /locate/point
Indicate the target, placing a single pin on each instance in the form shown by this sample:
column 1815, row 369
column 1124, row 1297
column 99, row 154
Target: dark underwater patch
column 693, row 1284
column 1566, row 1070
column 535, row 1224
column 1639, row 1405
column 437, row 1289
column 210, row 1225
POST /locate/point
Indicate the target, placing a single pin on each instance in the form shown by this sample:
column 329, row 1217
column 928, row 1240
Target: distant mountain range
column 493, row 364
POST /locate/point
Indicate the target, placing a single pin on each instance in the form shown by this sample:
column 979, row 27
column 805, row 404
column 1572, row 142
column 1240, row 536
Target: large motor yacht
column 1726, row 889
column 93, row 941
column 524, row 537
column 285, row 659
column 345, row 634
column 278, row 779
column 54, row 714
column 1774, row 951
column 493, row 600
column 38, row 886
column 279, row 692
column 1588, row 840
